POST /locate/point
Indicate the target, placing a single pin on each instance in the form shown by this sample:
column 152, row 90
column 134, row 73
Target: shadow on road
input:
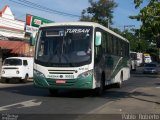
column 30, row 90
column 158, row 84
column 27, row 89
column 110, row 93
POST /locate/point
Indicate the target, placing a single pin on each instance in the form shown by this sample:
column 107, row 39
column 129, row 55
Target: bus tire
column 100, row 90
column 53, row 92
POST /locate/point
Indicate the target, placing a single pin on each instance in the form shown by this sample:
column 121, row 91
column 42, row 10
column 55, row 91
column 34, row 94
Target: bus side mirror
column 98, row 38
column 33, row 38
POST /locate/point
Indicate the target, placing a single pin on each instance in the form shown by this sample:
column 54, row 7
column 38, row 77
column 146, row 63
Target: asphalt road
column 25, row 99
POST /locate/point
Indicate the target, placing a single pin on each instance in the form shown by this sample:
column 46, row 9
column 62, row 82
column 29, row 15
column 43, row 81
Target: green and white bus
column 80, row 56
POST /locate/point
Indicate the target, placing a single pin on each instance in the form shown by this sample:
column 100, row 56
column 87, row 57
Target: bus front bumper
column 79, row 83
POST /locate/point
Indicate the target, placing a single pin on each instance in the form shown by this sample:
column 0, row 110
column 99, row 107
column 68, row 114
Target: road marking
column 24, row 104
column 132, row 91
column 94, row 111
column 99, row 108
column 158, row 87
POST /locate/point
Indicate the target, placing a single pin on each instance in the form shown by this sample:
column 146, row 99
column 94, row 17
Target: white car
column 17, row 68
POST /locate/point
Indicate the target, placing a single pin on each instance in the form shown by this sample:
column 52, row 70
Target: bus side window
column 121, row 48
column 109, row 47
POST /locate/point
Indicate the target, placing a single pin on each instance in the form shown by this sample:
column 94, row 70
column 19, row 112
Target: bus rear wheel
column 119, row 84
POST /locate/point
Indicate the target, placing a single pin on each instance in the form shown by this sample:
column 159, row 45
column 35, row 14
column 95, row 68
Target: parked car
column 17, row 68
column 150, row 68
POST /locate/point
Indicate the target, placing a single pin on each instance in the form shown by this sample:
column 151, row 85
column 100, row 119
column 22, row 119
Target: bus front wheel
column 53, row 92
column 100, row 90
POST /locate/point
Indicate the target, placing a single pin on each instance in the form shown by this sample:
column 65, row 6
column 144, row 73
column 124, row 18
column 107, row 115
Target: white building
column 12, row 35
column 9, row 26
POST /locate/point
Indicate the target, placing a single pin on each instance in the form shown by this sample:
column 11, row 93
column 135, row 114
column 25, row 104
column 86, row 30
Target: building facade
column 12, row 35
column 9, row 26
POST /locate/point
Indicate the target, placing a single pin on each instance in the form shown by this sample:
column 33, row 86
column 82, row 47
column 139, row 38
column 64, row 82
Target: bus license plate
column 60, row 81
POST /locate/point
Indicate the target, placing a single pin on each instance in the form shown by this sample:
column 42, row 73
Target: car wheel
column 4, row 80
column 25, row 79
column 100, row 90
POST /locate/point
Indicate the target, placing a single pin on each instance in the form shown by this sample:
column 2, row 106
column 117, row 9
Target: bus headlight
column 86, row 74
column 39, row 74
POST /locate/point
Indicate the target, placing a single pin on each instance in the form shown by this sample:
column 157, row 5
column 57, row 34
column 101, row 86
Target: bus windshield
column 64, row 46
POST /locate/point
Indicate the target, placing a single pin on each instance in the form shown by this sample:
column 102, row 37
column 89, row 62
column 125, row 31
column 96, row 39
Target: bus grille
column 62, row 71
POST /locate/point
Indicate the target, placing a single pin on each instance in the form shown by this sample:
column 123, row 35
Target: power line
column 30, row 6
column 42, row 8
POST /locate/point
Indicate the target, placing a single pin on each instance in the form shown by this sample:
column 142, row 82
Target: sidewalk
column 142, row 100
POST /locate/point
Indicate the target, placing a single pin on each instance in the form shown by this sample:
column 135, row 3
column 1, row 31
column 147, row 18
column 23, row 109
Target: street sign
column 33, row 23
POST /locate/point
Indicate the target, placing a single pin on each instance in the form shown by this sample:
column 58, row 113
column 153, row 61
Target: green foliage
column 138, row 2
column 150, row 18
column 137, row 43
column 116, row 30
column 99, row 11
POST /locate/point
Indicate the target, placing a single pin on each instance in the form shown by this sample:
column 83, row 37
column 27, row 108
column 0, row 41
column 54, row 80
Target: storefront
column 15, row 48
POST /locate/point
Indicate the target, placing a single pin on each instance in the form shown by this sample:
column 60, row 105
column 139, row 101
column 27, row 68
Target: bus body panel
column 114, row 67
column 63, row 78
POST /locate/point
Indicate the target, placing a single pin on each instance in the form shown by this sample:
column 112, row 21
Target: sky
column 121, row 13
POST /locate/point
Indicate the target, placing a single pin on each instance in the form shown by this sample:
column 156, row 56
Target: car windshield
column 64, row 46
column 150, row 65
column 12, row 62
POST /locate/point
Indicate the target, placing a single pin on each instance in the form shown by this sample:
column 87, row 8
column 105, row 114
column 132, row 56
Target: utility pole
column 108, row 22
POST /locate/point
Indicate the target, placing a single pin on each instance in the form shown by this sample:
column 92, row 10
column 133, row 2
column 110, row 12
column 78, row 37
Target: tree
column 150, row 18
column 100, row 11
column 137, row 43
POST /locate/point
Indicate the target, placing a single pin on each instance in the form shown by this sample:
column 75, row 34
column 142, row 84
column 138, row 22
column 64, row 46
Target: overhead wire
column 42, row 8
column 30, row 6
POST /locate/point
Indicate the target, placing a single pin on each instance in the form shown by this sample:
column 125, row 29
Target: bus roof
column 92, row 24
